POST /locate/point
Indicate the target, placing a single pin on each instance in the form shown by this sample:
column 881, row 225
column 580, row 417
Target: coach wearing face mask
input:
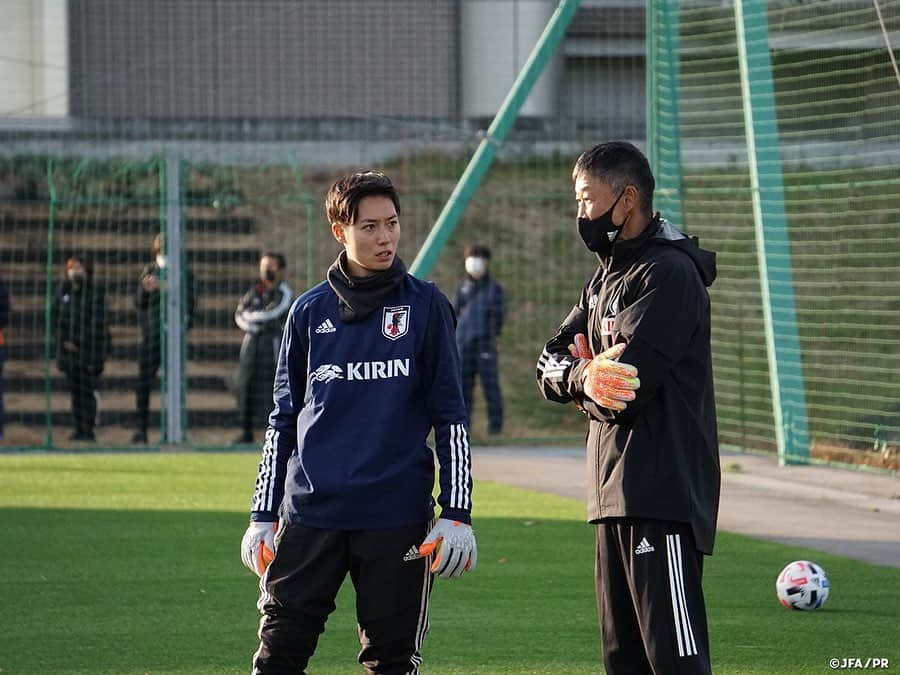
column 260, row 314
column 481, row 307
column 634, row 354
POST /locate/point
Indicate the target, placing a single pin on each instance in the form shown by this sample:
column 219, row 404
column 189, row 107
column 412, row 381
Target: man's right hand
column 607, row 382
column 258, row 546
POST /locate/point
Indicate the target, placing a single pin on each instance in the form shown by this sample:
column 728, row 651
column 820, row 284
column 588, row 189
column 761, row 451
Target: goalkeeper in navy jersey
column 368, row 366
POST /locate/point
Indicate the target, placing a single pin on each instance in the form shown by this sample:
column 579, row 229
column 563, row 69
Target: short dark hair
column 477, row 251
column 343, row 197
column 619, row 164
column 278, row 257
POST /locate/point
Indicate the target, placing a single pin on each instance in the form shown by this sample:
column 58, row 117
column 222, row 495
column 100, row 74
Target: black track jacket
column 659, row 458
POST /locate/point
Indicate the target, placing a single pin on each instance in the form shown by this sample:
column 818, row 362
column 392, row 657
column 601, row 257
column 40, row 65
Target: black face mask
column 269, row 275
column 600, row 234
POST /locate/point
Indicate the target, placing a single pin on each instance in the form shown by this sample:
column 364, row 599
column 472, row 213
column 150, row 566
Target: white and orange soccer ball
column 802, row 585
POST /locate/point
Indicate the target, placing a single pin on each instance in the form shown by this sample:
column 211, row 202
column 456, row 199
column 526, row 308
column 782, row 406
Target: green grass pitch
column 129, row 564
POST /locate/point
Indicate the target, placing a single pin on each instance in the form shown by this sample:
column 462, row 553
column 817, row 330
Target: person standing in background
column 147, row 301
column 260, row 314
column 480, row 308
column 82, row 341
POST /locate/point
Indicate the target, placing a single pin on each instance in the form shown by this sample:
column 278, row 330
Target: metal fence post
column 49, row 328
column 174, row 293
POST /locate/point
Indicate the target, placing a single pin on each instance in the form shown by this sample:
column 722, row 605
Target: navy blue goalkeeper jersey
column 354, row 405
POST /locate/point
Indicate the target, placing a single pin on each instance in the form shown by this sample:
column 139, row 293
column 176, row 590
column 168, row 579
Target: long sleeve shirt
column 354, row 405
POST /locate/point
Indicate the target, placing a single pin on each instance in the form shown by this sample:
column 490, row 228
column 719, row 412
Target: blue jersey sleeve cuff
column 460, row 515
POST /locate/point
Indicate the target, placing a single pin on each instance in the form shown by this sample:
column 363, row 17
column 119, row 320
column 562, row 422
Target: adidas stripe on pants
column 650, row 598
column 299, row 589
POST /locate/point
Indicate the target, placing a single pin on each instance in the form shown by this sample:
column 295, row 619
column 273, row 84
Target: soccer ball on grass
column 802, row 585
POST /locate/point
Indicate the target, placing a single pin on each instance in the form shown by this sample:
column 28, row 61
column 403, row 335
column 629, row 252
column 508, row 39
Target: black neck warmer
column 360, row 296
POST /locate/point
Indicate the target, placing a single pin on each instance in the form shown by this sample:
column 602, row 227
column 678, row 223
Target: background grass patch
column 129, row 564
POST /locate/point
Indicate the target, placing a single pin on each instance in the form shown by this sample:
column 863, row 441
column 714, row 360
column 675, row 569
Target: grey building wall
column 263, row 59
column 604, row 81
column 606, row 96
column 333, row 62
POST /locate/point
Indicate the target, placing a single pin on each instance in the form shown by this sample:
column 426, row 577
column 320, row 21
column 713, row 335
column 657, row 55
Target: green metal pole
column 503, row 122
column 651, row 95
column 48, row 311
column 772, row 241
column 669, row 155
column 663, row 81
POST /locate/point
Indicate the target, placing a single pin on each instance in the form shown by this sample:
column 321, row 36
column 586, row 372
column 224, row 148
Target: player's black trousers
column 299, row 588
column 650, row 599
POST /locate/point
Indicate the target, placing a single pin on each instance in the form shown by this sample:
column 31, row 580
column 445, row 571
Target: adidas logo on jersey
column 412, row 554
column 644, row 547
column 326, row 327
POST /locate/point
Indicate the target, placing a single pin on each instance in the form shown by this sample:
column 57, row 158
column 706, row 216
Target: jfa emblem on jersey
column 395, row 322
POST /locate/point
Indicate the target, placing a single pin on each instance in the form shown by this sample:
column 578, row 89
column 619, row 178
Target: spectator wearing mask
column 260, row 314
column 147, row 301
column 481, row 308
column 82, row 341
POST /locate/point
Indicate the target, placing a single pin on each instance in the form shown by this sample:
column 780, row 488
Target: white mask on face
column 476, row 267
column 160, row 260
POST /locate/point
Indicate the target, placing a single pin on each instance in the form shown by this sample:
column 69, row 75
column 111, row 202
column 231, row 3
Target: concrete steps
column 222, row 253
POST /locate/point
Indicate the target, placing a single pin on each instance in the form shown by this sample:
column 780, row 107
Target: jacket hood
column 705, row 261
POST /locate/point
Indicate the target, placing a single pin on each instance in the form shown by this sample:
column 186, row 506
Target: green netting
column 837, row 107
column 259, row 118
column 110, row 212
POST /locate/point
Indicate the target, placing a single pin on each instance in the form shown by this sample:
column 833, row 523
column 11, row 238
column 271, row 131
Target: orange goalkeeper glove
column 609, row 383
column 258, row 546
column 580, row 349
column 458, row 551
